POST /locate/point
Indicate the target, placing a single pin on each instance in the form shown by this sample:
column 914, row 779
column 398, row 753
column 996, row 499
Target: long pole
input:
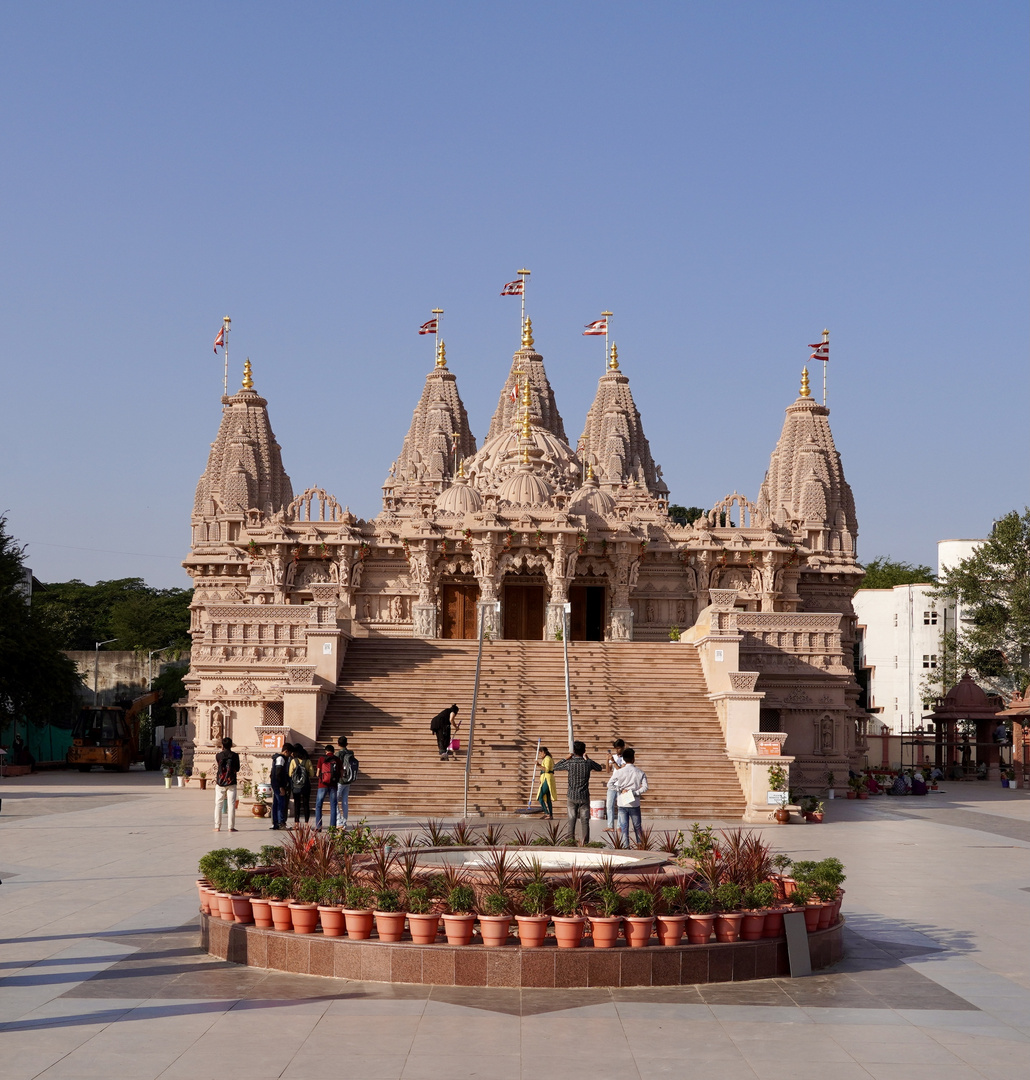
column 472, row 716
column 826, row 342
column 226, row 321
column 96, row 665
column 565, row 650
column 606, row 315
column 524, row 274
column 532, row 783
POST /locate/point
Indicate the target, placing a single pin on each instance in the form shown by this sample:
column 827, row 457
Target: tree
column 685, row 515
column 38, row 682
column 993, row 588
column 883, row 572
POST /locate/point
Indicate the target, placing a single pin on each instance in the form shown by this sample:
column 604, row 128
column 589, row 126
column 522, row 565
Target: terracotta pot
column 852, row 795
column 282, row 917
column 424, row 928
column 782, row 815
column 390, row 925
column 604, row 930
column 863, row 794
column 205, row 904
column 458, row 928
column 727, row 926
column 815, row 818
column 752, row 925
column 494, row 929
column 812, row 913
column 331, row 918
column 699, row 929
column 568, row 930
column 262, row 913
column 637, row 930
column 259, row 809
column 532, row 930
column 789, row 885
column 359, row 923
column 671, row 928
column 774, row 927
column 826, row 916
column 224, row 906
column 305, row 917
column 203, row 783
column 242, row 909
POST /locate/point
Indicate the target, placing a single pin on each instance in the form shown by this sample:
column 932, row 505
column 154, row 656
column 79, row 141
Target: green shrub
column 762, row 895
column 308, row 891
column 279, row 888
column 235, row 881
column 699, row 902
column 672, row 899
column 388, row 900
column 418, row 900
column 728, row 897
column 461, row 900
column 609, row 902
column 331, row 892
column 566, row 901
column 358, row 897
column 496, row 903
column 640, row 902
column 535, row 897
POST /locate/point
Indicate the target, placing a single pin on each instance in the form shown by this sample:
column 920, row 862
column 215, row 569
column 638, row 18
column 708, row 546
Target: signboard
column 272, row 740
column 778, row 798
column 768, row 748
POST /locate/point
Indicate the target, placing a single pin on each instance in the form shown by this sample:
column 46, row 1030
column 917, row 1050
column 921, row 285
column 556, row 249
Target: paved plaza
column 100, row 973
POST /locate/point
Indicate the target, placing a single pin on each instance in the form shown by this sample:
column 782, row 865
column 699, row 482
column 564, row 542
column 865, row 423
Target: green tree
column 38, row 682
column 685, row 515
column 993, row 587
column 883, row 572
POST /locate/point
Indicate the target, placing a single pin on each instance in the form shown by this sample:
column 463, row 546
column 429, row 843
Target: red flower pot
column 242, row 910
column 358, row 922
column 224, row 901
column 604, row 931
column 637, row 930
column 532, row 930
column 390, row 925
column 205, row 904
column 826, row 916
column 727, row 926
column 812, row 913
column 773, row 923
column 331, row 918
column 568, row 930
column 262, row 913
column 424, row 928
column 305, row 917
column 752, row 926
column 494, row 929
column 700, row 929
column 458, row 928
column 282, row 917
column 671, row 929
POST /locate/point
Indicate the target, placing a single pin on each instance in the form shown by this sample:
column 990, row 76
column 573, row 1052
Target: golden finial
column 441, row 354
column 590, row 471
column 248, row 382
column 613, row 359
column 461, row 469
column 805, row 391
column 526, row 402
column 527, row 334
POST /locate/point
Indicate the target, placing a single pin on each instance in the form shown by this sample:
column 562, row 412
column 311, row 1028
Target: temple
column 303, row 613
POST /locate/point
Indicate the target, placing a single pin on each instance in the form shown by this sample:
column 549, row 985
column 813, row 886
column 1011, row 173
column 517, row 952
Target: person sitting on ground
column 629, row 783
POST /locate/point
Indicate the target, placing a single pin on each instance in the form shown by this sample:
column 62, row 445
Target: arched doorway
column 458, row 600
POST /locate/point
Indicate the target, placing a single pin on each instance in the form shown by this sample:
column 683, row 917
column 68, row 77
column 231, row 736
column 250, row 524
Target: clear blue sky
column 728, row 178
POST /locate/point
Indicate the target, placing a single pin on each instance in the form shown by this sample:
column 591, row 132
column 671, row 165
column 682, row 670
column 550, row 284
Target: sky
column 727, row 178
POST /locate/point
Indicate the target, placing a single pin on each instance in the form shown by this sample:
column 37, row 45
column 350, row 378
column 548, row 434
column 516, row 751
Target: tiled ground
column 100, row 974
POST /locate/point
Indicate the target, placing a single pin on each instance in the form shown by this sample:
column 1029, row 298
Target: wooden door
column 459, row 610
column 587, row 620
column 524, row 612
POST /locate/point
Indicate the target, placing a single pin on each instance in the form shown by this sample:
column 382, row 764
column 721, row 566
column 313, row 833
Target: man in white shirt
column 628, row 783
column 615, row 761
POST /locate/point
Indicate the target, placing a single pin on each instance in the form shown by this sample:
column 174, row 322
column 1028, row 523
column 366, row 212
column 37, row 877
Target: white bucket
column 597, row 809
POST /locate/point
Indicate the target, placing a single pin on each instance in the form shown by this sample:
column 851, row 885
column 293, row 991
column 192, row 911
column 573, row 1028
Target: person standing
column 300, row 783
column 227, row 766
column 615, row 761
column 579, row 767
column 440, row 726
column 279, row 781
column 545, row 796
column 348, row 772
column 629, row 784
column 328, row 772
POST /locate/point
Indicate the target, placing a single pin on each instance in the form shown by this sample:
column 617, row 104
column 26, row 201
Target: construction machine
column 108, row 735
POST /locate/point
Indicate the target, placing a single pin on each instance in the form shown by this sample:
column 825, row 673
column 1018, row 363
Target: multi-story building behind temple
column 306, row 619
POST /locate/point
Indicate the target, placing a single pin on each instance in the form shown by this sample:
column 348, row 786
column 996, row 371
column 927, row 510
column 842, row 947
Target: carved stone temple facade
column 509, row 532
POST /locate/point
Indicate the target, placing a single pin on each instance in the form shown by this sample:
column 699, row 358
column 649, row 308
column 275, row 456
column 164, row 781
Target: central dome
column 498, row 461
column 525, row 488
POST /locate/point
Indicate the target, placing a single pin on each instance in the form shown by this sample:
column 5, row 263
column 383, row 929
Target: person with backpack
column 279, row 781
column 328, row 773
column 302, row 772
column 440, row 726
column 348, row 773
column 227, row 765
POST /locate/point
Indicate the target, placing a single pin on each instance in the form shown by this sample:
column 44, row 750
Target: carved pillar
column 424, row 612
column 563, row 569
column 488, row 611
column 423, row 621
column 627, row 568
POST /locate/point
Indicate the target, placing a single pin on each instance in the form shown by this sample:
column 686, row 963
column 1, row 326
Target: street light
column 96, row 665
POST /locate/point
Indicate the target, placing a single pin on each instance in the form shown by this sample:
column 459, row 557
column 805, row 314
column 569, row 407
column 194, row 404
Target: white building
column 899, row 642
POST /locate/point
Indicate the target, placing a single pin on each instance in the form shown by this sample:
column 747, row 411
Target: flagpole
column 826, row 342
column 439, row 331
column 606, row 315
column 523, row 274
column 225, row 349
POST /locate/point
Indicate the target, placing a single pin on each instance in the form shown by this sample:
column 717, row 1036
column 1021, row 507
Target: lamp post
column 96, row 665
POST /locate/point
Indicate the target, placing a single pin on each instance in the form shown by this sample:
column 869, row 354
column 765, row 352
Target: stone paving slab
column 101, row 974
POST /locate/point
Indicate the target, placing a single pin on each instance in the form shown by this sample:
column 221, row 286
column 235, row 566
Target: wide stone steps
column 653, row 696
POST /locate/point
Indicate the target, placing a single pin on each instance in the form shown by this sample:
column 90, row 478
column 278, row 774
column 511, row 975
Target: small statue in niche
column 396, row 609
column 217, row 725
column 366, row 607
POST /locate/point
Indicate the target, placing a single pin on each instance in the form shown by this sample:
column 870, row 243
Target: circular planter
column 282, row 917
column 637, row 930
column 494, row 929
column 242, row 909
column 814, row 818
column 259, row 809
column 359, row 923
column 262, row 913
column 390, row 925
column 773, row 923
column 671, row 929
column 700, row 929
column 224, row 901
column 532, row 930
column 305, row 917
column 752, row 925
column 331, row 918
column 424, row 928
column 568, row 930
column 782, row 815
column 727, row 926
column 458, row 928
column 812, row 913
column 604, row 930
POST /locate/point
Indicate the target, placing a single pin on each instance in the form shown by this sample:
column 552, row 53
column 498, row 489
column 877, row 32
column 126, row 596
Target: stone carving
column 743, row 681
column 246, row 689
column 217, row 725
column 797, row 696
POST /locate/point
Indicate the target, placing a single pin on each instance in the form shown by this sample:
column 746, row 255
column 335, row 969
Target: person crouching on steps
column 440, row 726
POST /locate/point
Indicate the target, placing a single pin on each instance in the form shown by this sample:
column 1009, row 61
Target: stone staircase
column 653, row 696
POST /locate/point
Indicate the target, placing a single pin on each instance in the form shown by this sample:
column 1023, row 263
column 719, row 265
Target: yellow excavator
column 108, row 735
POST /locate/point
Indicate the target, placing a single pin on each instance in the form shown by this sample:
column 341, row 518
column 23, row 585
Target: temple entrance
column 524, row 612
column 459, row 610
column 587, row 620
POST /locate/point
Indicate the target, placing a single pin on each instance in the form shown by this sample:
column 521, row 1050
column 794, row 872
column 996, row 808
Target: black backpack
column 348, row 768
column 299, row 778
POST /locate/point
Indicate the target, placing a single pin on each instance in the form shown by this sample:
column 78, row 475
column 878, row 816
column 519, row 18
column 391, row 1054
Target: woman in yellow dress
column 545, row 795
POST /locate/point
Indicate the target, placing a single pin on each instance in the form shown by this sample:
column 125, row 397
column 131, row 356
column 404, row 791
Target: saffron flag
column 220, row 340
column 822, row 351
column 514, row 288
column 428, row 327
column 515, row 393
column 600, row 326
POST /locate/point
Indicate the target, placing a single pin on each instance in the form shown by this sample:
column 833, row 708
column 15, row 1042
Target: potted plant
column 568, row 919
column 701, row 921
column 637, row 925
column 357, row 911
column 304, row 905
column 330, row 906
column 757, row 901
column 779, row 781
column 495, row 918
column 674, row 633
column 388, row 914
column 533, row 918
column 423, row 922
column 830, row 781
column 606, row 923
column 672, row 918
column 856, row 785
column 259, row 901
column 278, row 901
column 459, row 919
column 202, row 776
column 237, row 883
column 180, row 774
column 728, row 898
